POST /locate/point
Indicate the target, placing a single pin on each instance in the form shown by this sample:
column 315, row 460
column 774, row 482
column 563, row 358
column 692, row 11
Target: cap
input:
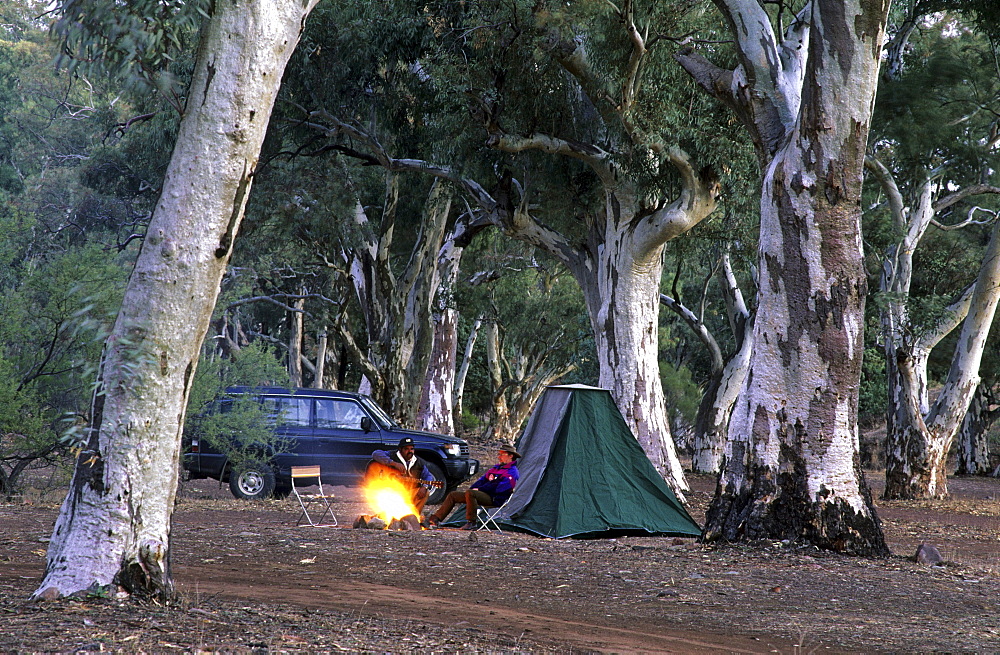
column 405, row 441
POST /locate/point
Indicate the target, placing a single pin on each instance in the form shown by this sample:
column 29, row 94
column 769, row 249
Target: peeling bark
column 397, row 307
column 114, row 526
column 437, row 401
column 973, row 446
column 792, row 468
column 919, row 434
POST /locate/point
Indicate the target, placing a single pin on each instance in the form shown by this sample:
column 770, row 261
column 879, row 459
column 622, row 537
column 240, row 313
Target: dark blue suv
column 336, row 429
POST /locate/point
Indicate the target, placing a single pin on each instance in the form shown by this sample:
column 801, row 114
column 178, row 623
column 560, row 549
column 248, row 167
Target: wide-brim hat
column 510, row 449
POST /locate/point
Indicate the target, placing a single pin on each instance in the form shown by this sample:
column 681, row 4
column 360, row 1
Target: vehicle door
column 294, row 442
column 343, row 447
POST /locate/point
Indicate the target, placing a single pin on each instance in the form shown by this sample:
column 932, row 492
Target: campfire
column 388, row 499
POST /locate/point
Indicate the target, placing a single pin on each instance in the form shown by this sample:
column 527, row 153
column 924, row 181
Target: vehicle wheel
column 437, row 495
column 252, row 482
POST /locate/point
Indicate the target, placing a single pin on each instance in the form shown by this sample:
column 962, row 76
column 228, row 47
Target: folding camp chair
column 487, row 517
column 302, row 476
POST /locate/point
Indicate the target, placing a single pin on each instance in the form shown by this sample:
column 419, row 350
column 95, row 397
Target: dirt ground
column 250, row 581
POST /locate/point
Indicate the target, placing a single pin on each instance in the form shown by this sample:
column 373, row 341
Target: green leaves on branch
column 135, row 41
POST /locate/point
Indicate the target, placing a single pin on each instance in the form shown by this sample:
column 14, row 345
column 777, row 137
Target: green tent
column 583, row 474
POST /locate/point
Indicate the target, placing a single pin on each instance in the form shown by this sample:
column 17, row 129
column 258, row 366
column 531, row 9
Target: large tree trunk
column 919, row 440
column 792, row 468
column 437, row 410
column 437, row 401
column 973, row 445
column 622, row 296
column 919, row 434
column 792, row 463
column 114, row 526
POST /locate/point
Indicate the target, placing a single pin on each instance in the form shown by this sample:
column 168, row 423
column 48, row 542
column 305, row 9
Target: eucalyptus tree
column 584, row 161
column 726, row 371
column 396, row 307
column 974, row 437
column 59, row 283
column 114, row 526
column 384, row 245
column 941, row 180
column 441, row 395
column 534, row 330
column 804, row 91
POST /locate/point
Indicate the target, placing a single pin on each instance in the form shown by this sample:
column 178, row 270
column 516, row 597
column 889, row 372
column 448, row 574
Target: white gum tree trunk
column 792, row 468
column 622, row 290
column 114, row 526
column 919, row 437
column 711, row 425
column 919, row 434
column 437, row 401
column 973, row 444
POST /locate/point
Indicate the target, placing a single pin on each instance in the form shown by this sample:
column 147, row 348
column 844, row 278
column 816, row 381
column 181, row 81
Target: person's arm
column 483, row 482
column 506, row 481
column 385, row 457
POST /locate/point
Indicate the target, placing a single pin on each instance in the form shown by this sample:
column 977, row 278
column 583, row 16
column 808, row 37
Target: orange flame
column 389, row 498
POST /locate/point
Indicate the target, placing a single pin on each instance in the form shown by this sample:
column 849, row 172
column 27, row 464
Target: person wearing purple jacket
column 491, row 490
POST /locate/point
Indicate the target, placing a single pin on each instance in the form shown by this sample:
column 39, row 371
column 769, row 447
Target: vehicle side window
column 342, row 414
column 287, row 411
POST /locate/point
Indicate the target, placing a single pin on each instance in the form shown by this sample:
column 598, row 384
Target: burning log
column 408, row 522
column 367, row 522
column 370, row 522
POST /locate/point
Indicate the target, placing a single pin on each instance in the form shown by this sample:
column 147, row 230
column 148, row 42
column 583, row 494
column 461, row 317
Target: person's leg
column 420, row 497
column 450, row 501
column 473, row 499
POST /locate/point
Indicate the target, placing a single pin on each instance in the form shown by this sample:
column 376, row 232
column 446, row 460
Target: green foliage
column 243, row 432
column 470, row 422
column 252, row 366
column 681, row 394
column 134, row 41
column 58, row 309
column 24, row 431
column 873, row 396
column 949, row 82
column 540, row 313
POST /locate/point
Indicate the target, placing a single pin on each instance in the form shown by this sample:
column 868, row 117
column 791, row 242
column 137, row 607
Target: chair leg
column 487, row 519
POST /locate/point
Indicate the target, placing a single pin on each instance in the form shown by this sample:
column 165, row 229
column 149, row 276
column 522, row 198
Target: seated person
column 405, row 465
column 491, row 490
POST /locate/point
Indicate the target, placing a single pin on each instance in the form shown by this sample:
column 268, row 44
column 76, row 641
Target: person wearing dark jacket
column 491, row 490
column 405, row 465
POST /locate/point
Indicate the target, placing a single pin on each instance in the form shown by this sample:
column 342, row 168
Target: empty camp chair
column 488, row 518
column 307, row 476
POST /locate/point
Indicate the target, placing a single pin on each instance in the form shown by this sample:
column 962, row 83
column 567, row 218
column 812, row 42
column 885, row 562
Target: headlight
column 453, row 449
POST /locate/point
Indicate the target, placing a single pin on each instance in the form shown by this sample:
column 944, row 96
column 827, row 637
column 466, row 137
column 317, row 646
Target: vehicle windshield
column 384, row 419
